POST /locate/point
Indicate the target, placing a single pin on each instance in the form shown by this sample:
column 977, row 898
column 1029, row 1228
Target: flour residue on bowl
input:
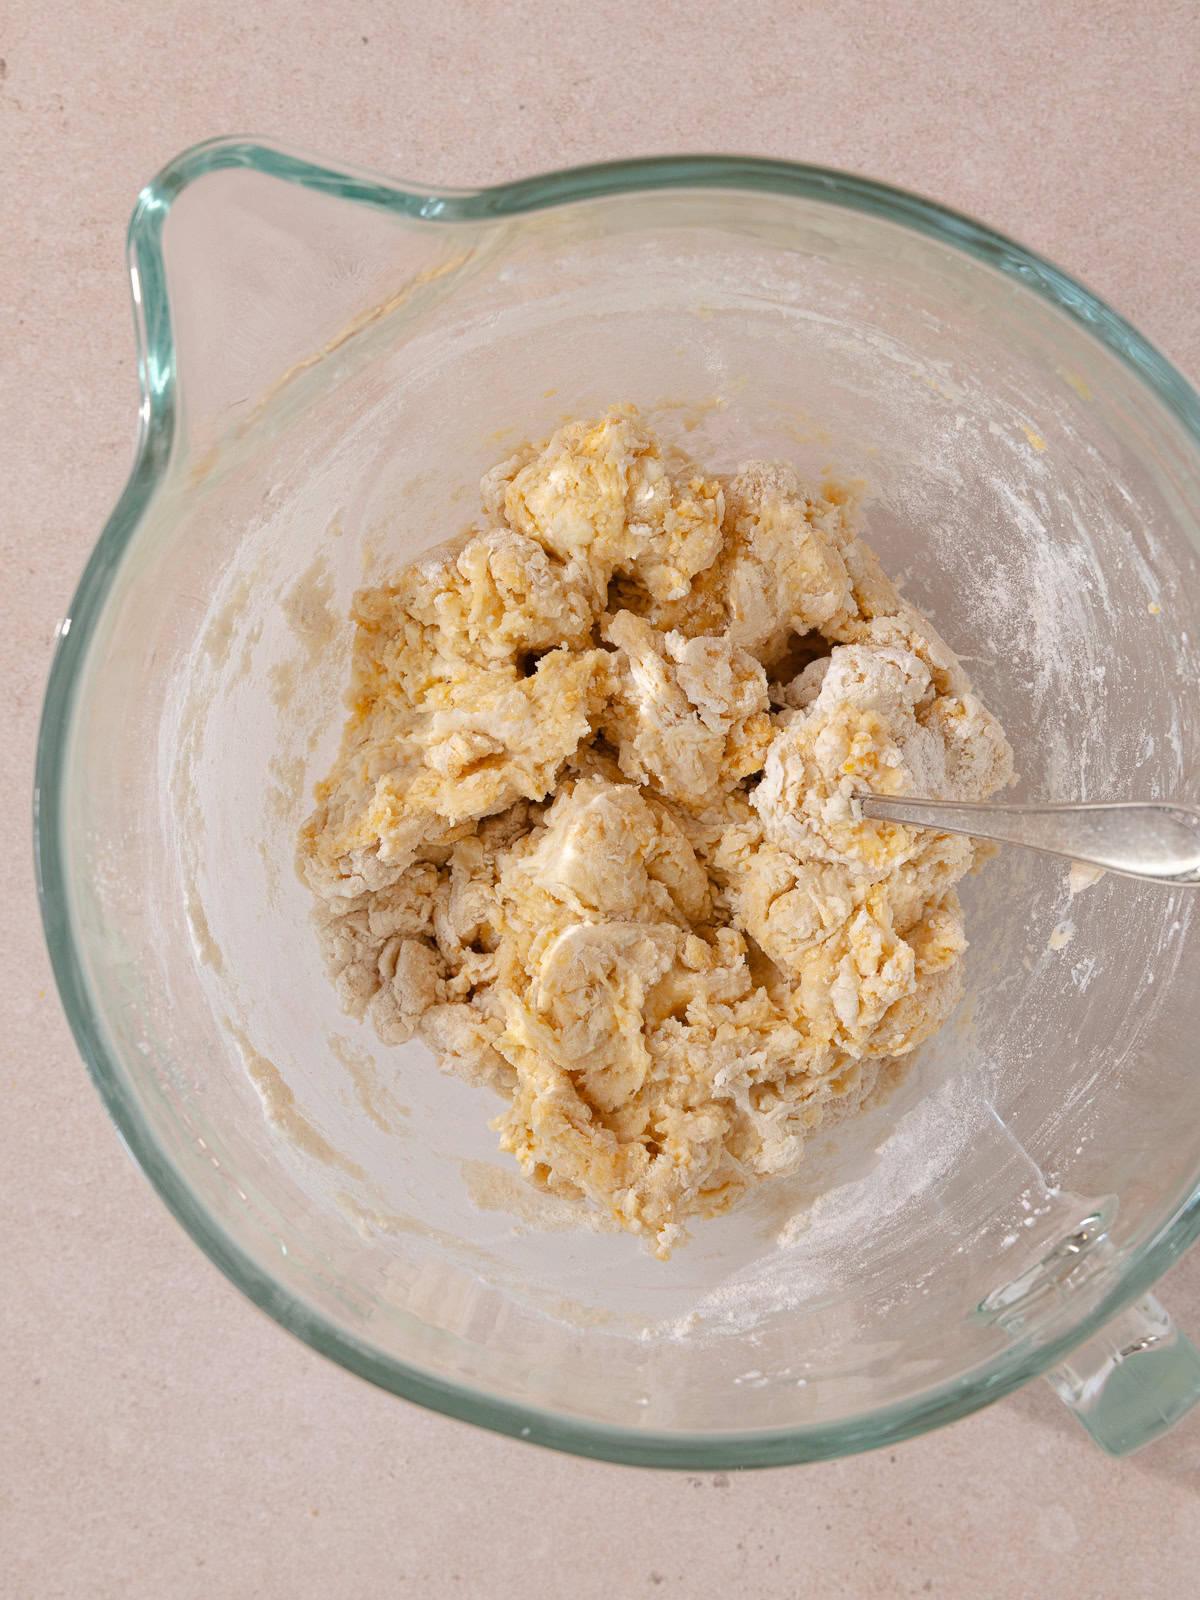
column 279, row 1104
column 380, row 1104
column 495, row 1188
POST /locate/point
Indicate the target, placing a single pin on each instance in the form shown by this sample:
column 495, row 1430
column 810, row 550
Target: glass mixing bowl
column 328, row 361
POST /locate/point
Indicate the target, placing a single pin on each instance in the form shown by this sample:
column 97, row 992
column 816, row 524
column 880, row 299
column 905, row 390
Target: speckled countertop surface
column 160, row 1438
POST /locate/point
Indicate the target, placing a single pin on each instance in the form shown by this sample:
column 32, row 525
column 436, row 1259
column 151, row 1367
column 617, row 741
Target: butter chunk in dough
column 570, row 845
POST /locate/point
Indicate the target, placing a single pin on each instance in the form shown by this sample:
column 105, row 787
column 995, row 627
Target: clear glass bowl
column 328, row 361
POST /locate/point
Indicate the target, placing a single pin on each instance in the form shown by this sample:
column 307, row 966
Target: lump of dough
column 868, row 717
column 472, row 746
column 477, row 601
column 788, row 905
column 599, row 496
column 353, row 931
column 687, row 715
column 977, row 756
column 411, row 980
column 780, row 571
column 603, row 850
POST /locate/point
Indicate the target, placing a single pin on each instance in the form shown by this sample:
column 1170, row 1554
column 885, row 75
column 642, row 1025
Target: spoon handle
column 1154, row 839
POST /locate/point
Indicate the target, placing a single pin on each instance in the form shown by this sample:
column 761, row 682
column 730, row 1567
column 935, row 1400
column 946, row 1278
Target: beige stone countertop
column 160, row 1439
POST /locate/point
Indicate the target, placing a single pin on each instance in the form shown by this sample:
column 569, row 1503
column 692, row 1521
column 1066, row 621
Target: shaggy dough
column 591, row 832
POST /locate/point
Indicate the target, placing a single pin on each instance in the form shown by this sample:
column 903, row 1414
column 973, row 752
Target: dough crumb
column 1081, row 876
column 591, row 834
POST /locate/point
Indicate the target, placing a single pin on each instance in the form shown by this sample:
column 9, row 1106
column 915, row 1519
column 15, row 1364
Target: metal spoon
column 1154, row 839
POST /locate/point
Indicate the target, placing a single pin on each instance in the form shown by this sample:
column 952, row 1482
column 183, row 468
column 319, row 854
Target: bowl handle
column 1131, row 1381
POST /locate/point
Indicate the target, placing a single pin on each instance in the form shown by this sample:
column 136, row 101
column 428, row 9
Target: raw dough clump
column 591, row 833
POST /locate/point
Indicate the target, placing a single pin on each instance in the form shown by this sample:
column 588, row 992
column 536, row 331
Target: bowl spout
column 245, row 276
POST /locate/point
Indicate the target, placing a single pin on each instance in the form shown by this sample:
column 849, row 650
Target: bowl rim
column 1014, row 1365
